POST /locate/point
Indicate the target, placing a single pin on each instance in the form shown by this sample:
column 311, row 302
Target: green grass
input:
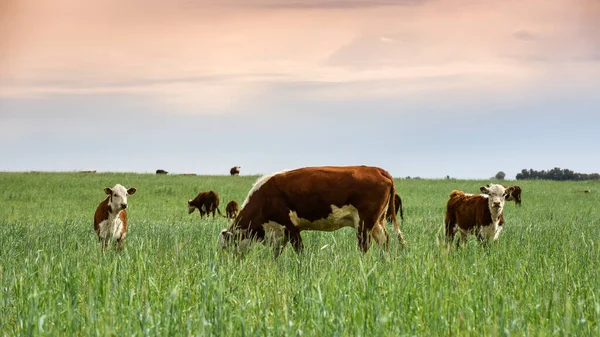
column 542, row 278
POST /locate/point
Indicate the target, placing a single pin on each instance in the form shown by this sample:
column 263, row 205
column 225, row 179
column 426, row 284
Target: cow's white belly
column 345, row 216
column 111, row 228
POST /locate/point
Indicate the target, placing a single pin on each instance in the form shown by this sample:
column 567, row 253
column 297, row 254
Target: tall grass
column 541, row 278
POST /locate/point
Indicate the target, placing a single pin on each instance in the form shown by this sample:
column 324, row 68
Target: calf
column 159, row 171
column 110, row 219
column 478, row 214
column 394, row 210
column 514, row 195
column 281, row 205
column 205, row 202
column 235, row 171
column 232, row 209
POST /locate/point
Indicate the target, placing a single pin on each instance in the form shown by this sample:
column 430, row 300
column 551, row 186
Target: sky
column 427, row 88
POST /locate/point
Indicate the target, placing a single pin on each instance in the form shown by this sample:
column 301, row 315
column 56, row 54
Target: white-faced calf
column 478, row 214
column 110, row 219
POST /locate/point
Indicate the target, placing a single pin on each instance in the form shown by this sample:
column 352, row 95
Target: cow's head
column 191, row 208
column 515, row 195
column 497, row 195
column 117, row 197
column 236, row 240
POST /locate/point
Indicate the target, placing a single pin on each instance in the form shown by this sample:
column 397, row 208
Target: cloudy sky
column 426, row 88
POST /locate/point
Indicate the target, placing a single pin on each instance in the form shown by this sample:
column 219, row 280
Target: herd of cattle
column 281, row 205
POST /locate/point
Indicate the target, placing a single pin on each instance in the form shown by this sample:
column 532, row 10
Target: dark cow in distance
column 159, row 171
column 206, row 203
column 478, row 214
column 394, row 210
column 281, row 205
column 235, row 171
column 231, row 210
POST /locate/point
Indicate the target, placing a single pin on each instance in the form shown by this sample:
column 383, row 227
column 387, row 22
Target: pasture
column 542, row 278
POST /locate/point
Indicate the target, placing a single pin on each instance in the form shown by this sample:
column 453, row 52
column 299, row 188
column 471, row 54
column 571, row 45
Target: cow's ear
column 509, row 191
column 484, row 189
column 108, row 191
column 131, row 191
column 189, row 202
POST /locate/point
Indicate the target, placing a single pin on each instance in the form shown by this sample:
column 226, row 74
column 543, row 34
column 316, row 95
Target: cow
column 394, row 210
column 478, row 214
column 235, row 171
column 110, row 218
column 231, row 210
column 281, row 205
column 159, row 171
column 205, row 202
column 514, row 195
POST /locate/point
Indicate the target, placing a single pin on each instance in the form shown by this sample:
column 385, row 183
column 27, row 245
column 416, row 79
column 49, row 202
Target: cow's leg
column 278, row 248
column 105, row 243
column 292, row 232
column 450, row 223
column 120, row 243
column 381, row 235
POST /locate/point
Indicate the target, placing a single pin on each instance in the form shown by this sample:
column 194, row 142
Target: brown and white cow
column 205, row 202
column 110, row 218
column 478, row 214
column 232, row 209
column 281, row 205
column 394, row 210
column 235, row 171
column 514, row 195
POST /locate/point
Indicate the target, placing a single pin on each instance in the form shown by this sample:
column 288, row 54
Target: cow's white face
column 496, row 196
column 238, row 241
column 118, row 197
column 191, row 208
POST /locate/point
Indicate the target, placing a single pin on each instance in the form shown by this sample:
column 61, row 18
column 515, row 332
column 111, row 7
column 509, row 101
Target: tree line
column 556, row 174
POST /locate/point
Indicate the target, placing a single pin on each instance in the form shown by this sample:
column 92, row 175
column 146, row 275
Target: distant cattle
column 206, row 203
column 161, row 172
column 88, row 171
column 231, row 210
column 281, row 205
column 235, row 171
column 478, row 214
column 394, row 210
column 189, row 174
column 110, row 218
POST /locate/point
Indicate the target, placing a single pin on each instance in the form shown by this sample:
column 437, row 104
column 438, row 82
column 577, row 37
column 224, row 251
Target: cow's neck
column 495, row 214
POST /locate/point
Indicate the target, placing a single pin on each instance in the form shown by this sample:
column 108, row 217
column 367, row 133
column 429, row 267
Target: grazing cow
column 235, row 171
column 159, row 171
column 231, row 210
column 110, row 219
column 394, row 210
column 281, row 205
column 479, row 214
column 205, row 202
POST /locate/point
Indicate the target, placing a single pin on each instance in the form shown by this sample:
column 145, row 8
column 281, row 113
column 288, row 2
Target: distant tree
column 500, row 175
column 556, row 174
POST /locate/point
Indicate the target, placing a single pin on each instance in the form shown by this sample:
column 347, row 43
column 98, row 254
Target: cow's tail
column 219, row 211
column 394, row 219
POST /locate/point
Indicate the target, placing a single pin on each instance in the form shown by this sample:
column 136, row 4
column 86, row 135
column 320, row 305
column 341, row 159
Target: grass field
column 541, row 279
